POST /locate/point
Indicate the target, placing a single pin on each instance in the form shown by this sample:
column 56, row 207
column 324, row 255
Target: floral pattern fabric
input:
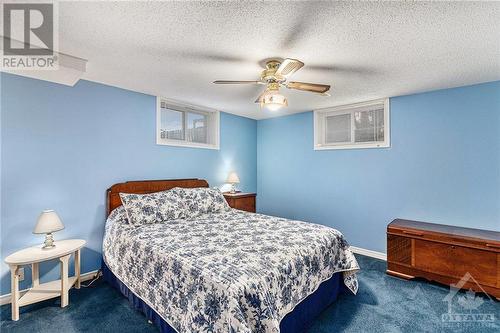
column 153, row 207
column 230, row 271
column 172, row 204
column 200, row 200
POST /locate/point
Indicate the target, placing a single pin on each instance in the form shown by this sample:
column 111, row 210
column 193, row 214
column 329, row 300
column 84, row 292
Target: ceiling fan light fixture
column 273, row 100
column 276, row 75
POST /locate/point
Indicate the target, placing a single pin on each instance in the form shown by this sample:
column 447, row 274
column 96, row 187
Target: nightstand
column 42, row 291
column 241, row 201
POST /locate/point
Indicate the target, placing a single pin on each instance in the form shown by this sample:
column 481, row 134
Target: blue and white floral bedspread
column 225, row 272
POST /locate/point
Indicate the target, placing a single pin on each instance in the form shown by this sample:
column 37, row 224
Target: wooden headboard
column 147, row 186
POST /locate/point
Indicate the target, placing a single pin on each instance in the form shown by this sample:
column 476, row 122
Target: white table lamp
column 233, row 179
column 47, row 223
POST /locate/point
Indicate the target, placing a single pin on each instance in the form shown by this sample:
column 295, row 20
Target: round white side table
column 42, row 291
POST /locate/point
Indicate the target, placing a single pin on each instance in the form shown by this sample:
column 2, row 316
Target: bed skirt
column 295, row 322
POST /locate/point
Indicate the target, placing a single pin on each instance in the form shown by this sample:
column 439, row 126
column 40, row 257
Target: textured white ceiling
column 364, row 50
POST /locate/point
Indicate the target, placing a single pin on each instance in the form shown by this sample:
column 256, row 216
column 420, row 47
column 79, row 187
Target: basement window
column 361, row 125
column 184, row 125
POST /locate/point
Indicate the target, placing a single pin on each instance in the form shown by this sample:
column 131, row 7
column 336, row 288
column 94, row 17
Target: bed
column 224, row 271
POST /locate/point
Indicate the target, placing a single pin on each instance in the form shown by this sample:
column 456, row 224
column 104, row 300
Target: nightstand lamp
column 48, row 222
column 233, row 179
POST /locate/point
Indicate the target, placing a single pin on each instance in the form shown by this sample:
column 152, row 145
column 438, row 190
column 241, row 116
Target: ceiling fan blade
column 312, row 87
column 237, row 82
column 288, row 67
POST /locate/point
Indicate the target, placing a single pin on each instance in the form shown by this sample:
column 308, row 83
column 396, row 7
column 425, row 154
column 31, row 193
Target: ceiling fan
column 276, row 75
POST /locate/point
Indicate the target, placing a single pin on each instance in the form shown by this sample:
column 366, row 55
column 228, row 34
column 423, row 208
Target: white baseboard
column 5, row 299
column 369, row 253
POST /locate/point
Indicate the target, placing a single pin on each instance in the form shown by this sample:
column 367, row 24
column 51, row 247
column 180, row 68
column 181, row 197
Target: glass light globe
column 273, row 100
column 273, row 106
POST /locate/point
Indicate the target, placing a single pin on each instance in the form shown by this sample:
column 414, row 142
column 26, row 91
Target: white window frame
column 184, row 107
column 320, row 123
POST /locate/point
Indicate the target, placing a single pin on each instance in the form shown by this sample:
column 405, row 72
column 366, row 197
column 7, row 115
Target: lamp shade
column 48, row 222
column 233, row 178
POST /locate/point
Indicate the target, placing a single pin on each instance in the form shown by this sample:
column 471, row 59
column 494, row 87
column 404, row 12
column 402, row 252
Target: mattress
column 231, row 271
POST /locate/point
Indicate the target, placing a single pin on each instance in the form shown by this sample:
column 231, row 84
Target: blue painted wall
column 62, row 147
column 443, row 166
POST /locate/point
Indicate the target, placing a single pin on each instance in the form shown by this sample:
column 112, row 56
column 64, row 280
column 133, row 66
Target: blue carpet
column 383, row 304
